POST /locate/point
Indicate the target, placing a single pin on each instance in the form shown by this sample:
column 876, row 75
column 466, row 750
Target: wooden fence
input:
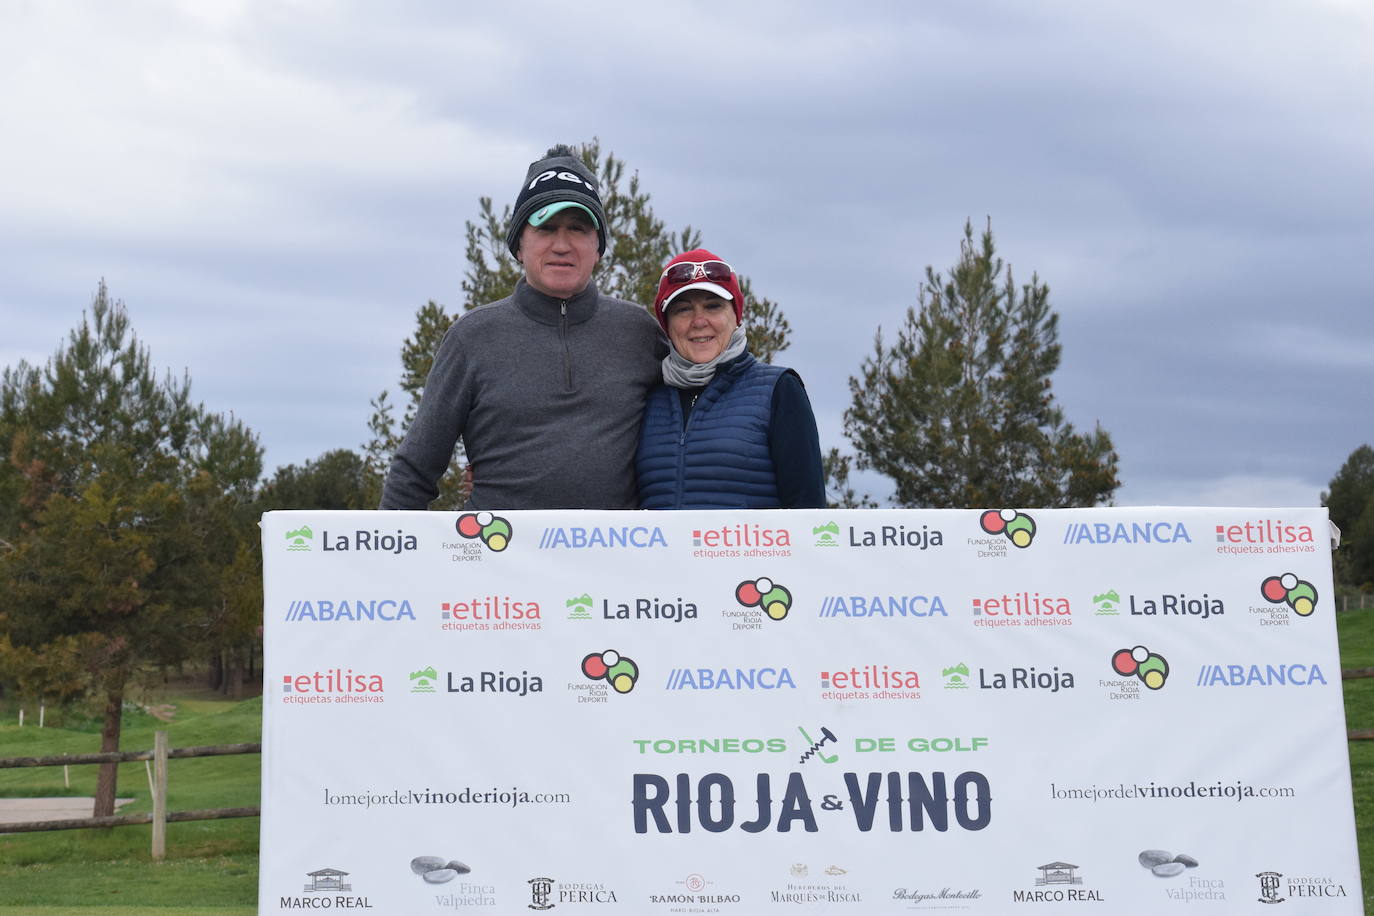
column 160, row 816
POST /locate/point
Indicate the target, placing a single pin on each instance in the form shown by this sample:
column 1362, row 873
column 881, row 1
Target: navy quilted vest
column 721, row 460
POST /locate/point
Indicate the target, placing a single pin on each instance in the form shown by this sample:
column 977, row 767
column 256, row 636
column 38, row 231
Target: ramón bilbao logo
column 1288, row 589
column 493, row 531
column 1015, row 526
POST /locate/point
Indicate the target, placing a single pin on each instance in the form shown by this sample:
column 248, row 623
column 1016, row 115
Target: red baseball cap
column 709, row 272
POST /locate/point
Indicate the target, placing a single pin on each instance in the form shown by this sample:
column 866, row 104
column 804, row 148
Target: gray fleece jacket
column 547, row 395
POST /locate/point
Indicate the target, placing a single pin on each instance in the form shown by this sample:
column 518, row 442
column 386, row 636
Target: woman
column 725, row 431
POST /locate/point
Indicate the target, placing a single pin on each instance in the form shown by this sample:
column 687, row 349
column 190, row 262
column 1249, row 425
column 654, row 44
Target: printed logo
column 1284, row 675
column 1017, row 527
column 698, row 745
column 613, row 668
column 1288, row 589
column 1108, row 603
column 823, row 889
column 634, row 609
column 1163, row 864
column 1025, row 679
column 870, row 682
column 1030, row 609
column 1076, row 533
column 827, row 535
column 1149, row 667
column 300, row 538
column 1265, row 536
column 327, row 881
column 745, row 540
column 491, row 612
column 369, row 541
column 422, row 681
column 323, row 610
column 1058, row 882
column 814, row 748
column 1269, row 887
column 1177, row 606
column 943, row 899
column 729, row 679
column 694, row 896
column 491, row 530
column 438, row 870
column 883, row 606
column 541, row 889
column 896, row 536
column 774, row 599
column 956, row 676
column 333, row 685
column 544, row 891
column 1273, row 885
column 495, row 682
column 626, row 536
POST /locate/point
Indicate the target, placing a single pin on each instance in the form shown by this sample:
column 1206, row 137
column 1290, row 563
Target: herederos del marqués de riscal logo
column 1140, row 662
column 613, row 668
column 1017, row 527
column 1288, row 589
column 774, row 599
column 495, row 532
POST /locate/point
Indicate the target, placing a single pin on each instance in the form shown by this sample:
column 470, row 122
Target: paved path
column 26, row 810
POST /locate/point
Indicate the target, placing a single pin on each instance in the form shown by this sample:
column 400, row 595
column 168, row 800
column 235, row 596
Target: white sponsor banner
column 1127, row 711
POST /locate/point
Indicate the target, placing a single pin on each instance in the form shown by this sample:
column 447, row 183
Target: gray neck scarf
column 681, row 372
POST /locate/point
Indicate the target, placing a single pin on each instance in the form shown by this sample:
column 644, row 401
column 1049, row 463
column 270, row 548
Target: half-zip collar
column 551, row 310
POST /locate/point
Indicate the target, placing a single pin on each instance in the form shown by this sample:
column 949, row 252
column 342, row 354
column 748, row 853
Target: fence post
column 159, row 795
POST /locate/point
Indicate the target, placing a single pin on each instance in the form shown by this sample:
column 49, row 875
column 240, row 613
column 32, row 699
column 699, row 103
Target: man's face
column 559, row 255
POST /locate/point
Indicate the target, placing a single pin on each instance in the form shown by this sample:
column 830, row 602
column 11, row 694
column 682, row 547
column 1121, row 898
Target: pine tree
column 958, row 412
column 1350, row 501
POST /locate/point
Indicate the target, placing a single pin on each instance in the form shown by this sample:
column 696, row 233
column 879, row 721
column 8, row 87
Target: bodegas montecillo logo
column 493, row 531
column 1015, row 526
column 771, row 597
column 1288, row 589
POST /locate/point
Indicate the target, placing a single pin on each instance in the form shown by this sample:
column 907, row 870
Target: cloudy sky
column 273, row 188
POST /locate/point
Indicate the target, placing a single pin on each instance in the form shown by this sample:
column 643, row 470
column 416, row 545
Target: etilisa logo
column 605, row 537
column 742, row 540
column 870, row 682
column 1076, row 533
column 1288, row 589
column 1150, row 668
column 346, row 610
column 1022, row 609
column 493, row 531
column 332, row 685
column 299, row 539
column 772, row 598
column 1017, row 527
column 1265, row 535
column 613, row 668
column 491, row 612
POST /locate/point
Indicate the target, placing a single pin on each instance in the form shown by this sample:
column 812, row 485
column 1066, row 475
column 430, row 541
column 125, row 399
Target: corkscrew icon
column 826, row 736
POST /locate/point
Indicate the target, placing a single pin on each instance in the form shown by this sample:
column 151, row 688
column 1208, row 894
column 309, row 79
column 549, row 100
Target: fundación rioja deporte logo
column 494, row 532
column 774, row 599
column 613, row 668
column 1017, row 527
column 1150, row 667
column 1288, row 589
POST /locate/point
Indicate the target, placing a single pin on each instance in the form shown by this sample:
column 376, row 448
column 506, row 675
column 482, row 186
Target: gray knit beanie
column 557, row 178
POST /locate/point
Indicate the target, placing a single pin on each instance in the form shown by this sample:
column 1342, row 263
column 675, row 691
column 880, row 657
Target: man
column 545, row 387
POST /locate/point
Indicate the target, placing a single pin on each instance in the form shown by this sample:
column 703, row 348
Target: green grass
column 211, row 866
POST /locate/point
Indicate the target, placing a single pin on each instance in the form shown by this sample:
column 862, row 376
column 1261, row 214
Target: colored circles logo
column 1290, row 590
column 1140, row 662
column 613, row 668
column 1018, row 527
column 764, row 593
column 495, row 532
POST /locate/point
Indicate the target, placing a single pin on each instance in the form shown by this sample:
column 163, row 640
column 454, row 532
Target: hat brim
column 544, row 214
column 707, row 285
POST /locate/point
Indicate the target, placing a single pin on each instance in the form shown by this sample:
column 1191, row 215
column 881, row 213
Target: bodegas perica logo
column 495, row 532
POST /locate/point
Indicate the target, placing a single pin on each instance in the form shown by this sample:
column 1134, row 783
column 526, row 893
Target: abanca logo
column 580, row 538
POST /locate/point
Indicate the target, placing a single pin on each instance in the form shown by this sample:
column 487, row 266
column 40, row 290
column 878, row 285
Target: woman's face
column 700, row 324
